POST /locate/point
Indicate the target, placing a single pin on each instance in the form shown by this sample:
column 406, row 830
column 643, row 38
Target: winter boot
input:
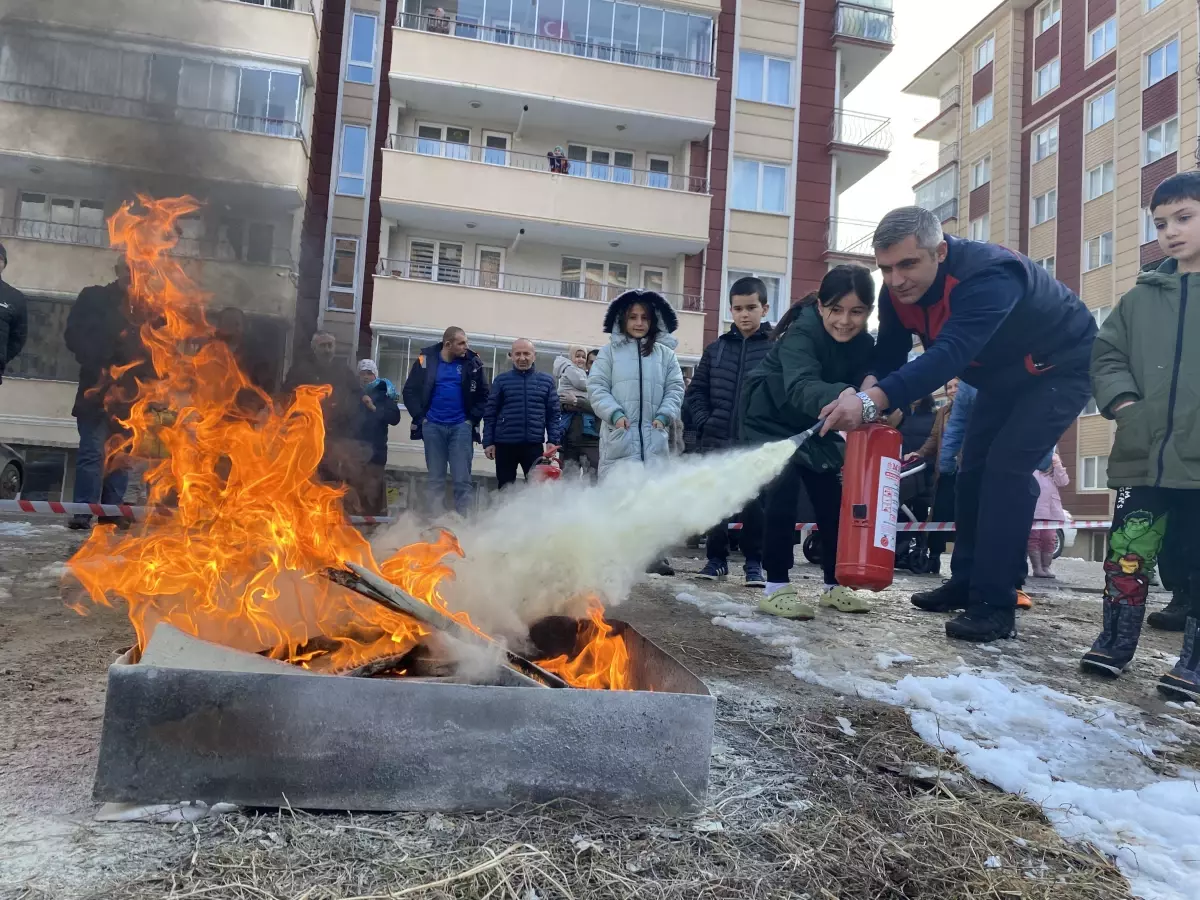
column 1183, row 681
column 949, row 597
column 754, row 574
column 983, row 624
column 1113, row 651
column 80, row 522
column 1172, row 617
column 715, row 570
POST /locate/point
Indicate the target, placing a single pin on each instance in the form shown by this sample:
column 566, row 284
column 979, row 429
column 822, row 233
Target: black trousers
column 779, row 536
column 943, row 511
column 716, row 543
column 509, row 456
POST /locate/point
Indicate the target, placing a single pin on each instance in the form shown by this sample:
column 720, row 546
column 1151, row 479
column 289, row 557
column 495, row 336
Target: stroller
column 912, row 547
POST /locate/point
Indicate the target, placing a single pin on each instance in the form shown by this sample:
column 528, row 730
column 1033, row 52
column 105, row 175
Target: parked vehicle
column 12, row 472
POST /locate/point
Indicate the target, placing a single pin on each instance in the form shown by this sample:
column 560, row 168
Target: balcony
column 947, row 154
column 408, row 294
column 445, row 187
column 588, row 85
column 947, row 211
column 865, row 32
column 848, row 240
column 860, row 142
column 945, row 124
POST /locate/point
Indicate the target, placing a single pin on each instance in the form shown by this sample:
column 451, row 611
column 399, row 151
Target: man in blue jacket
column 522, row 419
column 445, row 393
column 1005, row 326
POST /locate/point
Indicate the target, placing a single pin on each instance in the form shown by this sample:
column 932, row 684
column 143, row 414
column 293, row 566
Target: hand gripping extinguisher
column 866, row 554
column 546, row 468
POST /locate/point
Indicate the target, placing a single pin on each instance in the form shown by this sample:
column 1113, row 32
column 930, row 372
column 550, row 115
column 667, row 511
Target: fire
column 240, row 530
column 603, row 664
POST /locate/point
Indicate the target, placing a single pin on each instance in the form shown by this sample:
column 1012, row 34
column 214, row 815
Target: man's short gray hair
column 909, row 220
column 321, row 336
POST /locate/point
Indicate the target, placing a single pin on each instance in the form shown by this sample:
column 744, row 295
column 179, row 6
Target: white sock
column 829, row 587
column 773, row 586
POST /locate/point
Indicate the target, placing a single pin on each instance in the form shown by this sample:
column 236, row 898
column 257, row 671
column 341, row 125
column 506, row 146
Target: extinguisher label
column 887, row 506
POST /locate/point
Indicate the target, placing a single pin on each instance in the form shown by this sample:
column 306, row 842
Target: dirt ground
column 813, row 795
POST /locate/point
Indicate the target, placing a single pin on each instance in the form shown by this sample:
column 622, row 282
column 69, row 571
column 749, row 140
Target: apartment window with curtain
column 1098, row 252
column 985, row 52
column 764, row 79
column 1100, row 180
column 982, row 112
column 1162, row 62
column 360, row 64
column 1162, row 140
column 1047, row 78
column 343, row 266
column 1048, row 15
column 1045, row 207
column 1102, row 40
column 1045, row 143
column 759, row 186
column 1102, row 109
column 593, row 279
column 981, row 172
column 432, row 260
column 352, row 161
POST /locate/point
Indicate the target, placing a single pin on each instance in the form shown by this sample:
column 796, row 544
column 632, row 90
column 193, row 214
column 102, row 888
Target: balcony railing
column 293, row 5
column 97, row 236
column 947, row 211
column 695, row 60
column 129, row 108
column 947, row 154
column 868, row 20
column 441, row 272
column 849, row 237
column 952, row 97
column 861, row 130
column 495, row 156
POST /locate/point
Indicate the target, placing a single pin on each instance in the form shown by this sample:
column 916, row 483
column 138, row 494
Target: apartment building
column 1056, row 121
column 101, row 100
column 534, row 160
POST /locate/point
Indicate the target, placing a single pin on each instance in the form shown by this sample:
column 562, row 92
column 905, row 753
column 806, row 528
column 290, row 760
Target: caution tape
column 54, row 508
column 1040, row 525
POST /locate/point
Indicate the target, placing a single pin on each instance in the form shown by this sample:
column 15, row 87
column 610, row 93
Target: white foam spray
column 546, row 549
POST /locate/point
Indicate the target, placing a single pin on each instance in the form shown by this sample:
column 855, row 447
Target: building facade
column 1056, row 121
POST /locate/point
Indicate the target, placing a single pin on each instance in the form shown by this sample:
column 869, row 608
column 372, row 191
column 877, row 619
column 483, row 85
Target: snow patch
column 890, row 658
column 18, row 529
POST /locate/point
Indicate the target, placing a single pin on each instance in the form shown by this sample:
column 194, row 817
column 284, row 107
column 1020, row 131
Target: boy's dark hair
column 1184, row 186
column 750, row 285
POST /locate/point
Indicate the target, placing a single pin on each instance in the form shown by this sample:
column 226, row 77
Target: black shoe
column 947, row 598
column 983, row 624
column 1172, row 617
column 715, row 570
column 1183, row 681
column 121, row 522
column 754, row 574
column 80, row 522
column 660, row 567
column 1100, row 662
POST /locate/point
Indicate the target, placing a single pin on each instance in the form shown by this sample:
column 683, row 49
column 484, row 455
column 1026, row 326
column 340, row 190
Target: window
column 495, row 148
column 240, row 240
column 70, row 220
column 759, row 186
column 1103, row 40
column 1162, row 140
column 765, row 79
column 983, row 112
column 1093, row 473
column 439, row 261
column 1098, row 251
column 1100, row 180
column 774, row 303
column 489, row 267
column 1162, row 62
column 1091, row 409
column 985, row 51
column 1047, row 264
column 451, row 141
column 360, row 67
column 1045, row 143
column 1047, row 78
column 1100, row 313
column 654, row 278
column 1153, row 4
column 981, row 172
column 343, row 266
column 980, row 228
column 1102, row 109
column 352, row 180
column 601, row 163
column 1149, row 229
column 659, row 175
column 1048, row 15
column 593, row 279
column 1045, row 207
column 939, row 191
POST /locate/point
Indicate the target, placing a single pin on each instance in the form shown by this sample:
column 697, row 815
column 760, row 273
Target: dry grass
column 797, row 810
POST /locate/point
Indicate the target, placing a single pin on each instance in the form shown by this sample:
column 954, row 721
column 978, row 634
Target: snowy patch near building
column 18, row 529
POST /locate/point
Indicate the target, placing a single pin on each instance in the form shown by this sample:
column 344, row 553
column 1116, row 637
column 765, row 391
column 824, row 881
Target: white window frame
column 767, row 59
column 1152, row 5
column 338, row 289
column 1168, row 147
column 1149, row 231
column 1050, row 132
column 1044, row 207
column 434, row 264
column 762, row 166
column 986, row 165
column 1101, row 242
column 1106, row 175
column 984, row 105
column 980, row 229
column 652, row 176
column 608, row 290
column 985, row 52
column 1090, row 410
column 485, row 150
column 1107, row 103
column 1053, row 78
column 1099, row 480
column 1100, row 313
column 662, row 270
column 353, row 64
column 611, row 168
column 1048, row 15
column 479, row 251
column 361, row 174
column 442, row 143
column 1049, row 263
column 1166, row 72
column 1107, row 31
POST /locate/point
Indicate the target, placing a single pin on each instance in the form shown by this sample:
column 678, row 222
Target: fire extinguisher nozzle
column 799, row 439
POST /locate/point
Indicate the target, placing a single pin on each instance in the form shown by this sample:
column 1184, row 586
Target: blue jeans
column 448, row 445
column 92, row 483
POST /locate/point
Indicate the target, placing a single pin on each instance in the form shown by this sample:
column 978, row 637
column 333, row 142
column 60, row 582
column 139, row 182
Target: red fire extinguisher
column 546, row 468
column 866, row 555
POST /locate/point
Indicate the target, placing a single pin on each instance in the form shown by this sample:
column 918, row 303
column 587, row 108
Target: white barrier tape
column 1041, row 525
column 54, row 508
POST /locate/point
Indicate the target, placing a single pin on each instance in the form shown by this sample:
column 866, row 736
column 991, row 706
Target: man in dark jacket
column 713, row 401
column 382, row 410
column 446, row 393
column 14, row 318
column 1002, row 323
column 102, row 333
column 521, row 421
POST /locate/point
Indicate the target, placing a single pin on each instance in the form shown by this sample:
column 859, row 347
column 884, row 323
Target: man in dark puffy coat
column 14, row 323
column 713, row 402
column 382, row 410
column 521, row 421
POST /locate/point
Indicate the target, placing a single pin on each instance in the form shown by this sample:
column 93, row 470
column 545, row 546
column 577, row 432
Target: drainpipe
column 512, row 248
column 520, row 122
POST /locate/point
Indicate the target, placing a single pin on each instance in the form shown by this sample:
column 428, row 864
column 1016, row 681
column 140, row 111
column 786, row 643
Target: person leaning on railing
column 439, row 22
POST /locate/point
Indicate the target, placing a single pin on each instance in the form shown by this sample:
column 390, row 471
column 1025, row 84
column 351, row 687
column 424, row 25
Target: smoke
column 547, row 549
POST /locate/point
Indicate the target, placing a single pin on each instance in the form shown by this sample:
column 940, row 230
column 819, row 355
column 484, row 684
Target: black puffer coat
column 714, row 397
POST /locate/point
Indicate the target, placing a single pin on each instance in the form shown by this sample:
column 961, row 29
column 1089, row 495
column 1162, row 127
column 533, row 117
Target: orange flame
column 603, row 664
column 240, row 529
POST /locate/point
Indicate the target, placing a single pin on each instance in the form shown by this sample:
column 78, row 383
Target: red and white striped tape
column 54, row 508
column 1041, row 525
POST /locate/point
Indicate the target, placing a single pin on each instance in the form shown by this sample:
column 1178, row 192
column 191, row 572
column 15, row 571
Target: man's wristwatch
column 870, row 410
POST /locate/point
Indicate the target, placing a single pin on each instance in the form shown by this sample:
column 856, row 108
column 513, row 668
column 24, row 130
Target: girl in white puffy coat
column 636, row 386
